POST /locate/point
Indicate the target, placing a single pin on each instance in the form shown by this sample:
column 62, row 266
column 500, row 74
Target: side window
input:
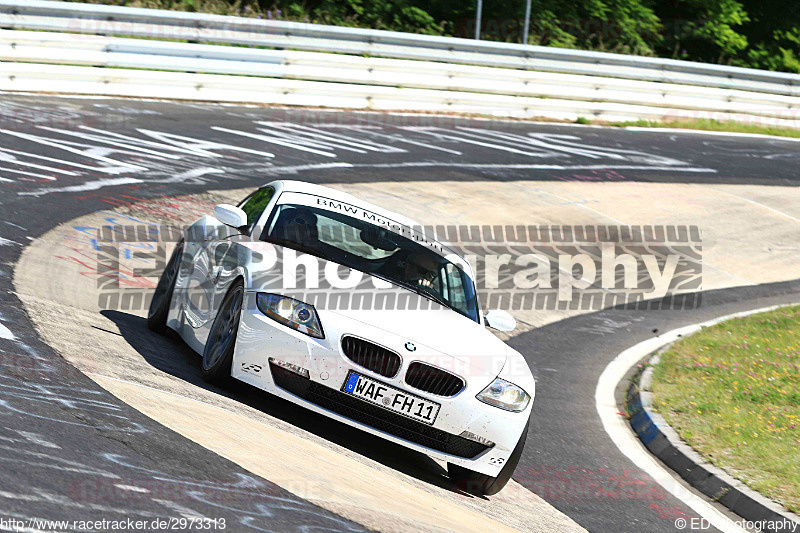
column 446, row 285
column 254, row 205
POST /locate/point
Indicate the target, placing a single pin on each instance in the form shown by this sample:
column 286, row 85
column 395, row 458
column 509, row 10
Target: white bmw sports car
column 349, row 310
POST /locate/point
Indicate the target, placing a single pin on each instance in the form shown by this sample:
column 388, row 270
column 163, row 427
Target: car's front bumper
column 466, row 432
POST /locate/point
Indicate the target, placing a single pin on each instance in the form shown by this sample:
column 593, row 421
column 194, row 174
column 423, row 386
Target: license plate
column 391, row 398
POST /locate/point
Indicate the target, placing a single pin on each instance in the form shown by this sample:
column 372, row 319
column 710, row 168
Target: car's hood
column 433, row 329
column 441, row 331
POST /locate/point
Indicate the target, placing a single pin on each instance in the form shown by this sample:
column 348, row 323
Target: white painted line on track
column 5, row 333
column 183, row 511
column 438, row 133
column 524, row 166
column 131, row 488
column 624, row 437
column 273, row 139
column 189, row 175
column 27, row 174
column 35, row 438
column 333, row 138
column 58, row 145
column 88, row 186
column 717, row 133
column 293, row 169
column 398, row 138
column 18, row 161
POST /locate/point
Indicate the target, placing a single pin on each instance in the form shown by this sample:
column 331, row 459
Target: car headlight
column 505, row 395
column 290, row 312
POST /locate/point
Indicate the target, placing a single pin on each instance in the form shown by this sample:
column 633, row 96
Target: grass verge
column 714, row 125
column 732, row 392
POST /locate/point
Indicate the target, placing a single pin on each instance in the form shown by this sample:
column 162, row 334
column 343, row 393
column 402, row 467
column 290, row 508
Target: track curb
column 665, row 443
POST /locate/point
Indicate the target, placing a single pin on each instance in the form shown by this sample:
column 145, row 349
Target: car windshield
column 364, row 246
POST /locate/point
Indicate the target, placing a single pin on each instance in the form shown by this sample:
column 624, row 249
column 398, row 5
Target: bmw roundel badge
column 410, row 347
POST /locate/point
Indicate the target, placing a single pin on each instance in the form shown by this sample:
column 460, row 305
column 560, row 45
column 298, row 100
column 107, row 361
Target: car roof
column 334, row 194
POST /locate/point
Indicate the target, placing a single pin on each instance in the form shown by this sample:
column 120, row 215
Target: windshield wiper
column 429, row 295
column 414, row 288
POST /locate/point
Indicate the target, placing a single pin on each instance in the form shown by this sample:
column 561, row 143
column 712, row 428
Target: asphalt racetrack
column 100, row 420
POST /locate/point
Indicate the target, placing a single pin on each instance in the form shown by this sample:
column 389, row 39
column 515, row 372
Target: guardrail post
column 527, row 22
column 479, row 11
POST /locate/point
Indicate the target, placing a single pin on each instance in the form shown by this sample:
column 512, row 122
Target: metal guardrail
column 102, row 19
column 436, row 73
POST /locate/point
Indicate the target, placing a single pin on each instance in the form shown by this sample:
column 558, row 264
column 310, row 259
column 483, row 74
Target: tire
column 218, row 352
column 162, row 297
column 482, row 484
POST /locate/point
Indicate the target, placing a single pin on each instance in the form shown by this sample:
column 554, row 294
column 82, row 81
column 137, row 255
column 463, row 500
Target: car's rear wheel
column 162, row 297
column 482, row 484
column 218, row 353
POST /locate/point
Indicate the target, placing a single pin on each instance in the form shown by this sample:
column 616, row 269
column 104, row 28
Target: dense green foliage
column 749, row 33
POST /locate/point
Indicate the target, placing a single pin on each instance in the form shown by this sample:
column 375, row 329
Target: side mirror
column 500, row 320
column 230, row 215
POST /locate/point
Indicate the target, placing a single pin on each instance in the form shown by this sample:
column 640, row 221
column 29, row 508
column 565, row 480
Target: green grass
column 582, row 120
column 713, row 125
column 732, row 392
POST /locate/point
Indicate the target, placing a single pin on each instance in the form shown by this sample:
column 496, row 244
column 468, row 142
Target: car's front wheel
column 218, row 352
column 482, row 484
column 162, row 296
